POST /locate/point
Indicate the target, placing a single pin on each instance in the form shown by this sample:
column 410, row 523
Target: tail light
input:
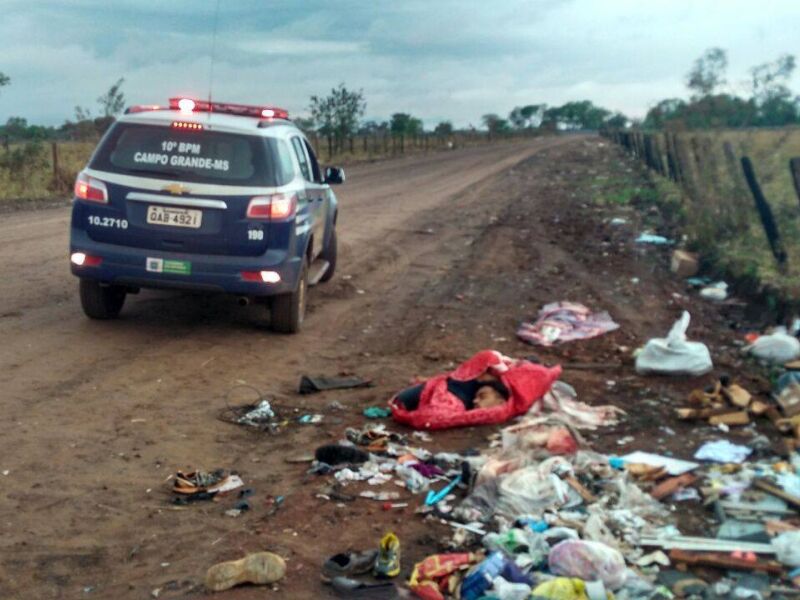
column 90, row 189
column 277, row 207
column 81, row 259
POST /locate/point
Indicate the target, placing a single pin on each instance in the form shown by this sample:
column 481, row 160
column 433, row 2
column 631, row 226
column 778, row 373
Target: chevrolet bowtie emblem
column 175, row 188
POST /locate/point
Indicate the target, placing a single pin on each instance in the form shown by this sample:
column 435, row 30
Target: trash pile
column 539, row 514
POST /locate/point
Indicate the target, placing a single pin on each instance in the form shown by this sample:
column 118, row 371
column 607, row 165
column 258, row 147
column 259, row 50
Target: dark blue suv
column 204, row 196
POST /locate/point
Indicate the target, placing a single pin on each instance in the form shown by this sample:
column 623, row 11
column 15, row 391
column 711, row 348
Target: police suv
column 209, row 197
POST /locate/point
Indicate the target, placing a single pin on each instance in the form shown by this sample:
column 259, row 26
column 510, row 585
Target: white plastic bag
column 778, row 347
column 590, row 561
column 787, row 548
column 675, row 355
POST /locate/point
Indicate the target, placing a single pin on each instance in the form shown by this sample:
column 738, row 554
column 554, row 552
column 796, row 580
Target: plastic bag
column 675, row 355
column 787, row 548
column 778, row 347
column 535, row 489
column 561, row 588
column 505, row 590
column 591, row 561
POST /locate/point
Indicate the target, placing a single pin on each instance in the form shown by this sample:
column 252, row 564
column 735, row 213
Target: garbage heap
column 539, row 514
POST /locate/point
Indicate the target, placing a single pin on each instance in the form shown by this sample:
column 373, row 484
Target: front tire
column 329, row 254
column 288, row 310
column 99, row 301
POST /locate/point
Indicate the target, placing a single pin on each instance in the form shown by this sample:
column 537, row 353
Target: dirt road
column 97, row 415
column 442, row 256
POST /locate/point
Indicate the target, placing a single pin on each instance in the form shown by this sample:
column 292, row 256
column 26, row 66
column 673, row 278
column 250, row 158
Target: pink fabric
column 564, row 322
column 439, row 409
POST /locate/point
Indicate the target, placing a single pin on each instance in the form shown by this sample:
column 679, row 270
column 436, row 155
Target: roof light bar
column 185, row 104
column 242, row 110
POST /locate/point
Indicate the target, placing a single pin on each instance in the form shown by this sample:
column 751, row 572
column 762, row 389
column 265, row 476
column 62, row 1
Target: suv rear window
column 196, row 156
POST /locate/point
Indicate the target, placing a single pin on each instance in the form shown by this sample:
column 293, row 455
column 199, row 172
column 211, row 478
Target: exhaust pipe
column 244, row 300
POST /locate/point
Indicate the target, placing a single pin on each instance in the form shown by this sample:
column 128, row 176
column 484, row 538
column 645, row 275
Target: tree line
column 337, row 116
column 767, row 100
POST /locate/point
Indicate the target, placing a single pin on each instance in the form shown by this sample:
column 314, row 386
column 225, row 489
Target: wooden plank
column 699, row 544
column 724, row 561
column 672, row 485
column 767, row 486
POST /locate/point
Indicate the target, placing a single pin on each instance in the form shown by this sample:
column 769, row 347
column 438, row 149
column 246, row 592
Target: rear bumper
column 125, row 265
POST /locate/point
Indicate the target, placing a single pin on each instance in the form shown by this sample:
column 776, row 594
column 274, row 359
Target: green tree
column 708, row 72
column 443, row 128
column 405, row 124
column 373, row 127
column 495, row 124
column 337, row 114
column 4, row 79
column 617, row 121
column 576, row 115
column 771, row 94
column 113, row 101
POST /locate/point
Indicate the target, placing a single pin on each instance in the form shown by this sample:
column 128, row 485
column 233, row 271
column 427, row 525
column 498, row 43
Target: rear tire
column 329, row 254
column 101, row 302
column 288, row 310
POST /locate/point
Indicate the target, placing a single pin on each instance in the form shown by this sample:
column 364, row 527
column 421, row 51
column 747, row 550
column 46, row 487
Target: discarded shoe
column 200, row 481
column 259, row 568
column 388, row 562
column 348, row 563
column 335, row 454
column 353, row 588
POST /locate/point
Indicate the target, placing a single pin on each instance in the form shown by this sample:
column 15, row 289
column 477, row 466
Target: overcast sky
column 437, row 59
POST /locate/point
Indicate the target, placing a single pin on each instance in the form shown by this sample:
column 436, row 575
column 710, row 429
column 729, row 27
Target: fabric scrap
column 559, row 322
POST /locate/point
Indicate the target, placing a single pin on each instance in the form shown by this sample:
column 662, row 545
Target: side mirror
column 334, row 175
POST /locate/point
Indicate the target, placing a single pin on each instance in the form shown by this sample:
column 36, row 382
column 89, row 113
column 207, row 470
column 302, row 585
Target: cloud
column 453, row 59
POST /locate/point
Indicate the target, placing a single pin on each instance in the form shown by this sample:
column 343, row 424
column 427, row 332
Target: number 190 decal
column 108, row 222
column 255, row 234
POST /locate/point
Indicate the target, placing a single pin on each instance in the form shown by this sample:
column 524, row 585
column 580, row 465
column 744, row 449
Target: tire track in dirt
column 98, row 413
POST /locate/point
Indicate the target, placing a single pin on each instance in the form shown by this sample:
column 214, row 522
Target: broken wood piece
column 645, row 472
column 767, row 486
column 758, row 407
column 576, row 485
column 725, row 561
column 734, row 418
column 774, row 528
column 686, row 414
column 737, row 395
column 672, row 485
column 793, row 365
column 699, row 544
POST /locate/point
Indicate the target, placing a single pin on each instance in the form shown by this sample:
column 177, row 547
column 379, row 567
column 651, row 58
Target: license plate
column 175, row 217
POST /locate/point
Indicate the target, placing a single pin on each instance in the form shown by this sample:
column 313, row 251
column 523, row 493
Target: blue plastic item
column 480, row 579
column 615, row 462
column 434, row 497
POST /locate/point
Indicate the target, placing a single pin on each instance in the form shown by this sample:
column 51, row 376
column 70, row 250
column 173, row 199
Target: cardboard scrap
column 735, row 418
column 737, row 395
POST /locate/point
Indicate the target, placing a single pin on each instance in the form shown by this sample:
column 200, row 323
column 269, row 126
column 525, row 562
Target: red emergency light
column 189, row 105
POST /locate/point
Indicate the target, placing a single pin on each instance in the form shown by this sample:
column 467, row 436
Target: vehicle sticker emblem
column 175, row 188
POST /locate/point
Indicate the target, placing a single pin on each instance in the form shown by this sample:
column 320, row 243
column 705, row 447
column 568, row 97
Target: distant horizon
column 455, row 61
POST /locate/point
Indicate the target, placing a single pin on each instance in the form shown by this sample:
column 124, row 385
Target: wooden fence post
column 54, row 149
column 794, row 167
column 764, row 211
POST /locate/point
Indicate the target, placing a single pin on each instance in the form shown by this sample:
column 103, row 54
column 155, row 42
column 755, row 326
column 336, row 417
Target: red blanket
column 439, row 409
